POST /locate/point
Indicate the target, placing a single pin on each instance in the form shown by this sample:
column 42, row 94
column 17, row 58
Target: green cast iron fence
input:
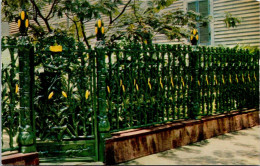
column 154, row 84
column 145, row 85
column 9, row 103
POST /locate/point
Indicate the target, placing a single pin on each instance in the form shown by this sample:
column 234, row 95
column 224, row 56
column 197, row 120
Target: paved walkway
column 236, row 148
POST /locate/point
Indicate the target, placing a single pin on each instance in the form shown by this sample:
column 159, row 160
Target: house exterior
column 246, row 33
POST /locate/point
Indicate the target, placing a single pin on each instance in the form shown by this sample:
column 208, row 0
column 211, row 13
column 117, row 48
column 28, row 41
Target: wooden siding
column 246, row 33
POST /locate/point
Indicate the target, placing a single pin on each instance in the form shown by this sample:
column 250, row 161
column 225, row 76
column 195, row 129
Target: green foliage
column 231, row 21
column 252, row 49
column 145, row 20
column 139, row 23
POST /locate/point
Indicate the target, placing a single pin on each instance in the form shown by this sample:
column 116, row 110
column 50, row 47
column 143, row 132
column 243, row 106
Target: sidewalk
column 236, row 148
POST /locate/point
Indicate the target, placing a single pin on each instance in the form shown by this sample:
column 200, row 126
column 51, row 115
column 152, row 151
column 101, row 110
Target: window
column 202, row 7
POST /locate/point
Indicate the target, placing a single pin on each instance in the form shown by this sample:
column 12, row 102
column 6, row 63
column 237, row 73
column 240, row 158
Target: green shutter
column 192, row 6
column 204, row 31
column 201, row 7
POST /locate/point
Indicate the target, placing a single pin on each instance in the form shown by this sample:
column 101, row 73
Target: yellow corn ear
column 121, row 83
column 99, row 23
column 197, row 37
column 123, row 88
column 50, row 95
column 26, row 23
column 150, row 86
column 172, row 82
column 236, row 78
column 207, row 80
column 215, row 78
column 182, row 82
column 134, row 82
column 108, row 89
column 137, row 87
column 19, row 23
column 87, row 93
column 194, row 31
column 102, row 30
column 64, row 94
column 22, row 15
column 249, row 78
column 96, row 30
column 16, row 88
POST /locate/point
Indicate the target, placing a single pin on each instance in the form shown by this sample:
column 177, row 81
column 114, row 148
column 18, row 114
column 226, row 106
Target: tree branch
column 53, row 4
column 84, row 34
column 75, row 23
column 40, row 14
column 111, row 22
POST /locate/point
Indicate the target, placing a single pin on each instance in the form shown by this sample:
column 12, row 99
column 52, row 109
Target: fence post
column 103, row 122
column 194, row 89
column 26, row 137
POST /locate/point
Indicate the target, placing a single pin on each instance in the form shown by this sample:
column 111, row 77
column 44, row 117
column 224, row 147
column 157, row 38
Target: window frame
column 210, row 25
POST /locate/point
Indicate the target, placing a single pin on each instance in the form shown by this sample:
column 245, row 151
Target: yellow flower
column 191, row 78
column 191, row 37
column 108, row 89
column 145, row 42
column 102, row 30
column 50, row 95
column 249, row 78
column 230, row 79
column 64, row 94
column 87, row 93
column 56, row 48
column 223, row 79
column 136, row 87
column 16, row 88
column 254, row 76
column 199, row 82
column 207, row 80
column 243, row 78
column 236, row 78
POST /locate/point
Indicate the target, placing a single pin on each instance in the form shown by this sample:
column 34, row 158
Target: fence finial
column 194, row 37
column 23, row 22
column 100, row 29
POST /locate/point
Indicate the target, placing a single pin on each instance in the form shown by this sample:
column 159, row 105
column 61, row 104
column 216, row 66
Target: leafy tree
column 140, row 23
column 145, row 20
